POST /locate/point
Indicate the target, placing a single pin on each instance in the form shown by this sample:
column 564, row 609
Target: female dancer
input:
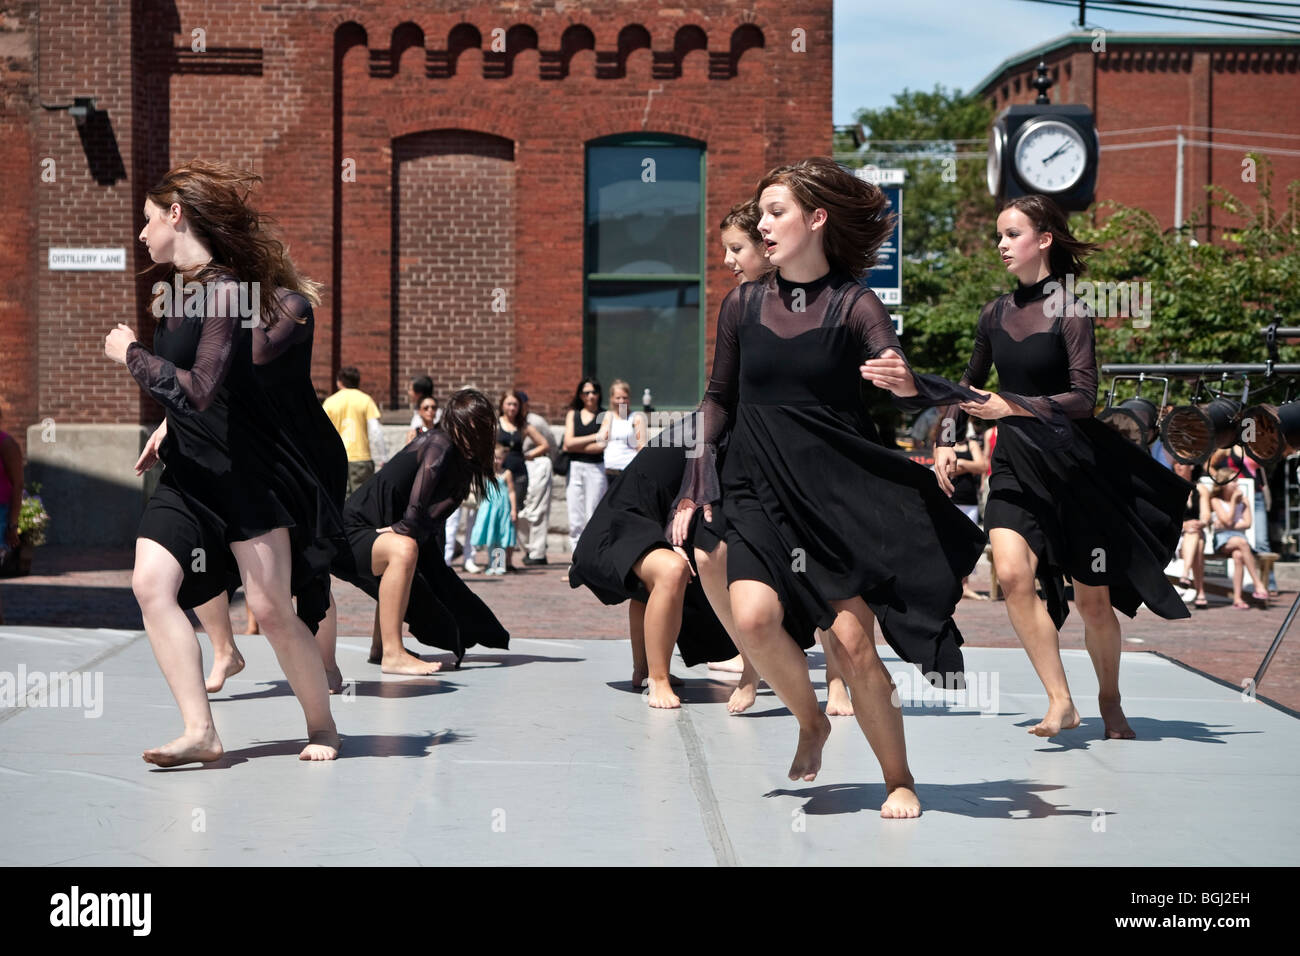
column 806, row 548
column 586, row 483
column 746, row 256
column 624, row 555
column 282, row 346
column 396, row 552
column 198, row 221
column 512, row 428
column 1068, row 494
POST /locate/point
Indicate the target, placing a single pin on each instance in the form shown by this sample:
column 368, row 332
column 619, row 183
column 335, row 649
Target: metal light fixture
column 1191, row 432
column 1137, row 419
column 1267, row 431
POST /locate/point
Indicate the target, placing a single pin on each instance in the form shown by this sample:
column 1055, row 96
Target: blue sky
column 883, row 47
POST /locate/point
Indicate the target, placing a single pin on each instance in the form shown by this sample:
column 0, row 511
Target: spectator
column 1232, row 515
column 535, row 509
column 587, row 482
column 356, row 417
column 494, row 528
column 512, row 430
column 966, row 481
column 1196, row 518
column 622, row 435
column 421, row 392
column 427, row 415
column 1236, row 459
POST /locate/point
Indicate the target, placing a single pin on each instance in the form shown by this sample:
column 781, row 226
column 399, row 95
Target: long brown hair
column 214, row 199
column 472, row 424
column 858, row 218
column 1066, row 253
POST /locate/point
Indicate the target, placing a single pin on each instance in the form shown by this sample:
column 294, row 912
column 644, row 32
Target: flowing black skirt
column 628, row 524
column 820, row 511
column 1099, row 509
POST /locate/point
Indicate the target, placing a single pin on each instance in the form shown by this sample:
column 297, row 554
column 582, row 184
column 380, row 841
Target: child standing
column 494, row 526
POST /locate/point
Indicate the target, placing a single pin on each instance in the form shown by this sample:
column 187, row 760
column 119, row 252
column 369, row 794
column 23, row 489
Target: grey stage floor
column 543, row 756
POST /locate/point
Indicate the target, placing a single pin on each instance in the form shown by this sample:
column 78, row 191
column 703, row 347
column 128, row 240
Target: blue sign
column 886, row 276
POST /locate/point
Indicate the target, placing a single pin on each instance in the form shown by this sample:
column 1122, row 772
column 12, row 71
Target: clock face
column 1050, row 156
column 997, row 144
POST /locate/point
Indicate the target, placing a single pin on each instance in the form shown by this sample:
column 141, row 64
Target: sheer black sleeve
column 952, row 420
column 700, row 482
column 870, row 323
column 1081, row 399
column 293, row 326
column 426, row 509
column 186, row 391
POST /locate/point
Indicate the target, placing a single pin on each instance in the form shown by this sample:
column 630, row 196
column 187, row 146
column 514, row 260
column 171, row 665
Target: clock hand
column 1060, row 149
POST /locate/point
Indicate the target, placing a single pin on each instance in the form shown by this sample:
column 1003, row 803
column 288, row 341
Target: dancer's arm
column 700, row 483
column 425, row 511
column 186, row 391
column 293, row 325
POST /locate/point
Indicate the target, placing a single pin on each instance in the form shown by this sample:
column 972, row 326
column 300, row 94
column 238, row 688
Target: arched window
column 644, row 248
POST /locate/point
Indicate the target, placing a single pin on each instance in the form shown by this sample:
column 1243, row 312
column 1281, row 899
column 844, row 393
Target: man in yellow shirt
column 356, row 418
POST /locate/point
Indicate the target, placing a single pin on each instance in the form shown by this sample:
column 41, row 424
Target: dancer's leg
column 1016, row 565
column 214, row 617
column 665, row 574
column 394, row 556
column 636, row 634
column 327, row 635
column 838, row 701
column 264, row 564
column 758, row 617
column 156, row 581
column 713, row 578
column 851, row 645
column 1101, row 634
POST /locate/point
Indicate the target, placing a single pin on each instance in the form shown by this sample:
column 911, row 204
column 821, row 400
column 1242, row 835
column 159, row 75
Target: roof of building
column 1086, row 37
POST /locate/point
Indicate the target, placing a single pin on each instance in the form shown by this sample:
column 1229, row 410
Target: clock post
column 1044, row 149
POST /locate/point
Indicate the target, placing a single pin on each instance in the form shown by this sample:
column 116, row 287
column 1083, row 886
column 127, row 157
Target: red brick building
column 1225, row 95
column 494, row 194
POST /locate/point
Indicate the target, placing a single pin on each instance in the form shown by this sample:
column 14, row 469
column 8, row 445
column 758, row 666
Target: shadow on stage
column 993, row 799
column 698, row 691
column 1091, row 730
column 385, row 689
column 353, row 745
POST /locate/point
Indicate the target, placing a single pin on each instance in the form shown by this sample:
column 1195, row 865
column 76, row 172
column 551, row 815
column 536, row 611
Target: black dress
column 515, row 462
column 413, row 494
column 815, row 506
column 629, row 523
column 1090, row 503
column 232, row 470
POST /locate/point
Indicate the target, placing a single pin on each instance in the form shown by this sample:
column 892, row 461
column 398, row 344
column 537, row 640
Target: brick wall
column 425, row 111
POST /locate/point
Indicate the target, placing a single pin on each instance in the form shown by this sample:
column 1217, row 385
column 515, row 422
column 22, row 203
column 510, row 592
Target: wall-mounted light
column 79, row 109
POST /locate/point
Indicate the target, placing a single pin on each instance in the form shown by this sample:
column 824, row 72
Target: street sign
column 886, row 276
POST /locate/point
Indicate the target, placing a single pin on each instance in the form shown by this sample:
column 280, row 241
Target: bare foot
column 408, row 663
column 377, row 654
column 1112, row 715
column 838, row 703
column 322, row 745
column 901, row 804
column 808, row 754
column 223, row 668
column 334, row 677
column 734, row 666
column 661, row 694
column 1060, row 716
column 743, row 697
column 201, row 747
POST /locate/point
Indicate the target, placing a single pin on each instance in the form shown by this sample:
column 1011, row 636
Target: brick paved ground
column 92, row 588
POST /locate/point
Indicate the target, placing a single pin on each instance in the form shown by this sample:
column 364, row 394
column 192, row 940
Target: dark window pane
column 649, row 335
column 643, row 228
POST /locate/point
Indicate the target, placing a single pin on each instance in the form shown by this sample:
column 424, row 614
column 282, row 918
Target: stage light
column 1267, row 431
column 1135, row 419
column 1191, row 432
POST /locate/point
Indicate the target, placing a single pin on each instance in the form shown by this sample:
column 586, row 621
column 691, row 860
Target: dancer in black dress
column 282, row 347
column 825, row 528
column 233, row 480
column 624, row 555
column 394, row 525
column 1068, row 494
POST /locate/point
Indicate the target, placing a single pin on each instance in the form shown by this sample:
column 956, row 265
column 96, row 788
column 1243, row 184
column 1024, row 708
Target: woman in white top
column 621, row 435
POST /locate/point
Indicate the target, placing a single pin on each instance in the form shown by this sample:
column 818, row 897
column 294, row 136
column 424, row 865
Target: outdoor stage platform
column 543, row 755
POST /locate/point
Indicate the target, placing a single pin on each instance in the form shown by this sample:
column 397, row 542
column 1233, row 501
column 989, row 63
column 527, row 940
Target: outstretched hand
column 117, row 342
column 889, row 371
